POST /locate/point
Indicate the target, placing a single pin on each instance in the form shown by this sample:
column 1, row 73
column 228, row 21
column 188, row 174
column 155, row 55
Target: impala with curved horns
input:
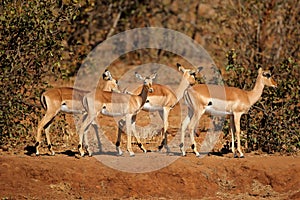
column 234, row 102
column 68, row 100
column 116, row 104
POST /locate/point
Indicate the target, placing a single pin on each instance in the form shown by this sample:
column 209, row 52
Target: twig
column 113, row 28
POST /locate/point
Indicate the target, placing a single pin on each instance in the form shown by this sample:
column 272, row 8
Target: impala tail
column 43, row 101
column 85, row 104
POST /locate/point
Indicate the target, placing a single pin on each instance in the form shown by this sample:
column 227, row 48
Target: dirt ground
column 218, row 176
column 212, row 177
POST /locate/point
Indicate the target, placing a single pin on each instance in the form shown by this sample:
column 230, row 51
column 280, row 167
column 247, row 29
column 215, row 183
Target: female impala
column 65, row 99
column 116, row 104
column 163, row 99
column 234, row 102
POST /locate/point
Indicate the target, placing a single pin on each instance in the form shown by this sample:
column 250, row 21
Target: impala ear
column 199, row 69
column 139, row 76
column 180, row 68
column 153, row 76
column 260, row 70
column 107, row 75
column 271, row 69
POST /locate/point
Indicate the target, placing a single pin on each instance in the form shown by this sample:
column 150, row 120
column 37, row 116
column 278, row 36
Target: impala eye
column 268, row 75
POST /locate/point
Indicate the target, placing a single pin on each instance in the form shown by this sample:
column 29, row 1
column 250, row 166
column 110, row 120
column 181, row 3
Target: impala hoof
column 131, row 154
column 168, row 150
column 120, row 153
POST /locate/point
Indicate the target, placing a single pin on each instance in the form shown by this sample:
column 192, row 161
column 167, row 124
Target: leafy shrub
column 31, row 40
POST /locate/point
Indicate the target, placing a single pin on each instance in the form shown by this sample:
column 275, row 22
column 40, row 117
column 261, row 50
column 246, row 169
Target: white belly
column 104, row 111
column 148, row 107
column 65, row 108
column 218, row 107
column 212, row 111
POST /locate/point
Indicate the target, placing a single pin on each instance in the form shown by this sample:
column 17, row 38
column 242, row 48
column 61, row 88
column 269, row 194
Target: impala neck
column 256, row 93
column 144, row 94
column 184, row 84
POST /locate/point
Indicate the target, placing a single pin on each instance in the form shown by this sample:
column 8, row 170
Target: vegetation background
column 42, row 41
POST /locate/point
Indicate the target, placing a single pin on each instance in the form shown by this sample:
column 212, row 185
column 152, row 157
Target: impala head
column 107, row 75
column 147, row 81
column 267, row 77
column 189, row 75
column 111, row 84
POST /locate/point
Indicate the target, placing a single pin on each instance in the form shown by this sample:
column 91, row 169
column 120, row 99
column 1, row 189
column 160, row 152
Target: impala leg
column 82, row 119
column 86, row 143
column 135, row 134
column 38, row 141
column 164, row 115
column 44, row 123
column 82, row 132
column 237, row 119
column 128, row 131
column 184, row 126
column 86, row 140
column 96, row 128
column 232, row 131
column 120, row 127
column 47, row 129
column 191, row 129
